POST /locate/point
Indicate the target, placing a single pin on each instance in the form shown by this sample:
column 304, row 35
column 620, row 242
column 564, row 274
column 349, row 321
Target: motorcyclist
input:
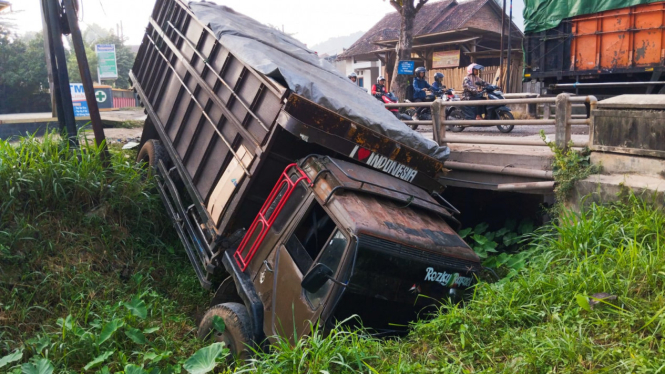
column 472, row 91
column 379, row 89
column 438, row 82
column 420, row 85
column 353, row 77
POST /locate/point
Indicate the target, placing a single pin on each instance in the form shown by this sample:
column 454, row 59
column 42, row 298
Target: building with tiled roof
column 448, row 35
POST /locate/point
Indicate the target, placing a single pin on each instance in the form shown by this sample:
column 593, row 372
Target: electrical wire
column 102, row 6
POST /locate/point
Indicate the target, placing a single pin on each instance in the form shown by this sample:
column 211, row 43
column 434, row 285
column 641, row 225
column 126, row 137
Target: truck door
column 315, row 238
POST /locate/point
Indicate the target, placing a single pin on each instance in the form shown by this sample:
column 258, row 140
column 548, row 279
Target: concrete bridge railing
column 562, row 121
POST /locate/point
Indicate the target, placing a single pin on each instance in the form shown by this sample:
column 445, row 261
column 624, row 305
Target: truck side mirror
column 316, row 278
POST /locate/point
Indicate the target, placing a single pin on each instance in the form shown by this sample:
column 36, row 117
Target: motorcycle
column 426, row 113
column 446, row 94
column 491, row 112
column 453, row 113
column 390, row 98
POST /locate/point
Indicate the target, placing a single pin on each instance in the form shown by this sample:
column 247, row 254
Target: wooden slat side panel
column 203, row 140
column 211, row 168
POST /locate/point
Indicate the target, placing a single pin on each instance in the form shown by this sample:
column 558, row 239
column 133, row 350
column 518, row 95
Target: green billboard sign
column 107, row 66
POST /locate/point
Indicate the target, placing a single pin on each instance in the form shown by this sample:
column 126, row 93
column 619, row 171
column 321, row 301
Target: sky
column 310, row 21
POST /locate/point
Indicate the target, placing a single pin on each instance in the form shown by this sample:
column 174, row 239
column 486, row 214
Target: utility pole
column 49, row 69
column 63, row 94
column 510, row 46
column 86, row 78
column 503, row 31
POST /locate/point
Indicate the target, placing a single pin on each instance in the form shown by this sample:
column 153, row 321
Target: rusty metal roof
column 379, row 205
column 412, row 227
column 433, row 17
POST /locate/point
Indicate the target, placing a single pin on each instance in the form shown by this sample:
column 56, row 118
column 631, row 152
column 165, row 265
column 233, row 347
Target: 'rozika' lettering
column 447, row 280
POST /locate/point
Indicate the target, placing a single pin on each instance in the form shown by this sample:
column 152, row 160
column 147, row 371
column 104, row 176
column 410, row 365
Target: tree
column 73, row 67
column 7, row 25
column 407, row 10
column 23, row 73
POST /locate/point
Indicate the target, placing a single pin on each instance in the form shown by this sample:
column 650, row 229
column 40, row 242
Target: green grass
column 76, row 243
column 90, row 268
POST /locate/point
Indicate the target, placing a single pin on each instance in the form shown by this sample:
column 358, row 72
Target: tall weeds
column 92, row 279
column 78, row 243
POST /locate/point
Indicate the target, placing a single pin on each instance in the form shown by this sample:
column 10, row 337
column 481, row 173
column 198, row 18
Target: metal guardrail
column 562, row 121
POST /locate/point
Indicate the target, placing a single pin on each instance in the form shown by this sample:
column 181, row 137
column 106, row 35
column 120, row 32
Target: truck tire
column 151, row 153
column 237, row 333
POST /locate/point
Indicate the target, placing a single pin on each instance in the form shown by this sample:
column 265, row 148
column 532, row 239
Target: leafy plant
column 569, row 166
column 500, row 248
column 205, row 359
column 12, row 357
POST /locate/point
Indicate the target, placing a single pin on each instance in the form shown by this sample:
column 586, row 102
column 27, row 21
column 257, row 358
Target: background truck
column 296, row 195
column 604, row 48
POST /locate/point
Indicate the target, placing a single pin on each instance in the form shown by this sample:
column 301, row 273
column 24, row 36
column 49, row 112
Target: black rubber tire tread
column 238, row 327
column 509, row 117
column 151, row 152
column 456, row 115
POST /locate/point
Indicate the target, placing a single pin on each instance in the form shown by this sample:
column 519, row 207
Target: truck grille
column 411, row 253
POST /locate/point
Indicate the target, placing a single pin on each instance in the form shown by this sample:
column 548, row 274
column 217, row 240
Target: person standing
column 353, row 77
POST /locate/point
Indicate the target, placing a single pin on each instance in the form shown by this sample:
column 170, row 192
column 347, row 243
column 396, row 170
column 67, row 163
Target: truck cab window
column 290, row 206
column 310, row 236
column 331, row 256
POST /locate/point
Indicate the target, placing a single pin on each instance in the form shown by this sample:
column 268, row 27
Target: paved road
column 116, row 115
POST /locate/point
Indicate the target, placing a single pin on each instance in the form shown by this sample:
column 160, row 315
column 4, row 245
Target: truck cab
column 334, row 241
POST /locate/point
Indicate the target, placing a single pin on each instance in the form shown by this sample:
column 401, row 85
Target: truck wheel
column 506, row 128
column 237, row 333
column 151, row 153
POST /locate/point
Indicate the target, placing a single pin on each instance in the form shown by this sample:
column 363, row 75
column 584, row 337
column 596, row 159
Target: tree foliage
column 93, row 35
column 22, row 71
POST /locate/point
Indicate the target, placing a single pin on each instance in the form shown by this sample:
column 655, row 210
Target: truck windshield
column 389, row 291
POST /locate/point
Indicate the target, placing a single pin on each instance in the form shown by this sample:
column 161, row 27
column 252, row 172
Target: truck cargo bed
column 620, row 45
column 230, row 130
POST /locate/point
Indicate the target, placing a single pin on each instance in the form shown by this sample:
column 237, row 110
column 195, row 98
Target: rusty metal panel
column 618, row 39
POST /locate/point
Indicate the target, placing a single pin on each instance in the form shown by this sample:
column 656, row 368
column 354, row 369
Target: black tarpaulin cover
column 289, row 62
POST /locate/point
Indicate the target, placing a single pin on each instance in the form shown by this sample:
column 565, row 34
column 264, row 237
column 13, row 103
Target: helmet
column 420, row 69
column 438, row 76
column 469, row 69
column 380, row 78
column 352, row 75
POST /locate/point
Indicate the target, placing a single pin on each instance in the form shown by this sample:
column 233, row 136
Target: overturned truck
column 296, row 195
